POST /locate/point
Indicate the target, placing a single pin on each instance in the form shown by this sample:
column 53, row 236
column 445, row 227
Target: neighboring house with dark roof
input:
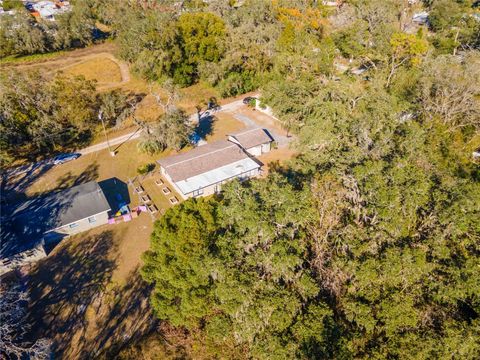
column 50, row 218
column 203, row 170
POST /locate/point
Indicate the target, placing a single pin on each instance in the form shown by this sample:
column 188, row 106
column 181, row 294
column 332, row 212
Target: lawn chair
column 139, row 189
column 145, row 198
column 166, row 190
column 173, row 200
column 159, row 182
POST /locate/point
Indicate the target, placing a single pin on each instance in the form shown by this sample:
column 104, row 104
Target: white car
column 63, row 158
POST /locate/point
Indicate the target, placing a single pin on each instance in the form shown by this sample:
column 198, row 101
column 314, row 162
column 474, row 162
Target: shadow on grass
column 205, row 126
column 69, row 180
column 130, row 318
column 76, row 304
column 66, row 283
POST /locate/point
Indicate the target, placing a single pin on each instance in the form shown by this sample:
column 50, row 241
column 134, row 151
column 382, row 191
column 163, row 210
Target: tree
column 117, row 106
column 407, row 49
column 181, row 265
column 171, row 130
column 13, row 327
column 76, row 27
column 203, row 36
column 450, row 90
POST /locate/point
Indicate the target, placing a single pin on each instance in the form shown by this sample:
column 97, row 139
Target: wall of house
column 260, row 149
column 266, row 147
column 255, row 151
column 83, row 225
column 212, row 189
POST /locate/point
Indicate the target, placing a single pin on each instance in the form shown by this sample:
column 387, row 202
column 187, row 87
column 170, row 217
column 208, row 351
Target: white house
column 203, row 170
column 255, row 141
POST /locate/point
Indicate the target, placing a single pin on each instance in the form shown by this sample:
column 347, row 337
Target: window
column 198, row 192
column 92, row 219
column 73, row 225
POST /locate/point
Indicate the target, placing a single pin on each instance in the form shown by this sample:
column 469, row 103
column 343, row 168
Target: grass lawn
column 101, row 69
column 223, row 125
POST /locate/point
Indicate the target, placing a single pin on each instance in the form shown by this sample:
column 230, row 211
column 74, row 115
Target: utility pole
column 100, row 117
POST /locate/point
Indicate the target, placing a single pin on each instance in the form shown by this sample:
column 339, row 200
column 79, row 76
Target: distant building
column 203, row 170
column 48, row 9
column 47, row 219
column 420, row 18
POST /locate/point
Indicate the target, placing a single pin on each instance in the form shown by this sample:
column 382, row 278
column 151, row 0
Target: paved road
column 232, row 106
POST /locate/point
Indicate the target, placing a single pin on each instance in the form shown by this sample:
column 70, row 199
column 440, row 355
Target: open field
column 102, row 69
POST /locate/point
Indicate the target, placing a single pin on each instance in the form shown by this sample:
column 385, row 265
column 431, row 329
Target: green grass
column 15, row 59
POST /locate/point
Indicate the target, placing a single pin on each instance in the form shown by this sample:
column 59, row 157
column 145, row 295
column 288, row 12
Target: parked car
column 63, row 158
column 249, row 99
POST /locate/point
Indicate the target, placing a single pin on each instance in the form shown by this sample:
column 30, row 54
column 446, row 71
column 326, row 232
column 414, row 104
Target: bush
column 12, row 4
column 145, row 169
column 238, row 83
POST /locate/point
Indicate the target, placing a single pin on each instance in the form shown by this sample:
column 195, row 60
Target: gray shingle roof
column 252, row 137
column 55, row 210
column 202, row 159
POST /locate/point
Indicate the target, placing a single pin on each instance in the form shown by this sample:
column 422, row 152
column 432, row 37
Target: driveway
column 281, row 140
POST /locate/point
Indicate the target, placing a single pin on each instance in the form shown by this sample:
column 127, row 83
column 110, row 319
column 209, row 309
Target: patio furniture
column 159, row 182
column 173, row 200
column 139, row 189
column 166, row 190
column 145, row 198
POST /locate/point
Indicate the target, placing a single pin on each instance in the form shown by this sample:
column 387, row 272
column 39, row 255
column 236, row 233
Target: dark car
column 249, row 99
column 63, row 158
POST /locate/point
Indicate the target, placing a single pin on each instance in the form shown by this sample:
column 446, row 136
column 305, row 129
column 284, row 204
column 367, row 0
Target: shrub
column 145, row 169
column 238, row 83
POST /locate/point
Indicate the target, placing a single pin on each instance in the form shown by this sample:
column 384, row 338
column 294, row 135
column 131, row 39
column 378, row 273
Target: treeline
column 40, row 115
column 228, row 47
column 22, row 34
column 367, row 244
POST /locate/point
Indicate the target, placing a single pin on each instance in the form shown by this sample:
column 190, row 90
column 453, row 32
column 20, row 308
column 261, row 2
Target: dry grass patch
column 224, row 125
column 101, row 69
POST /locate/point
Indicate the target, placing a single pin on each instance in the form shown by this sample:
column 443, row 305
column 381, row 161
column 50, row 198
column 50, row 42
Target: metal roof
column 217, row 175
column 202, row 159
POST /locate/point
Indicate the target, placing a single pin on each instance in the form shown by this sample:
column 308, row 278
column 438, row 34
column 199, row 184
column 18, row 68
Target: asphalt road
column 232, row 106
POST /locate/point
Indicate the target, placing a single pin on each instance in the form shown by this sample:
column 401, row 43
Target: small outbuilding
column 255, row 141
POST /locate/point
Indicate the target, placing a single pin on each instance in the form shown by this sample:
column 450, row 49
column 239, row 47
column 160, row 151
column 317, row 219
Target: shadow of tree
column 65, row 284
column 72, row 293
column 129, row 319
column 205, row 126
column 69, row 180
column 13, row 186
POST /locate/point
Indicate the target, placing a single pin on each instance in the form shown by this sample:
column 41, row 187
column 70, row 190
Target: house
column 48, row 219
column 255, row 141
column 203, row 170
column 420, row 18
column 48, row 9
column 67, row 212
